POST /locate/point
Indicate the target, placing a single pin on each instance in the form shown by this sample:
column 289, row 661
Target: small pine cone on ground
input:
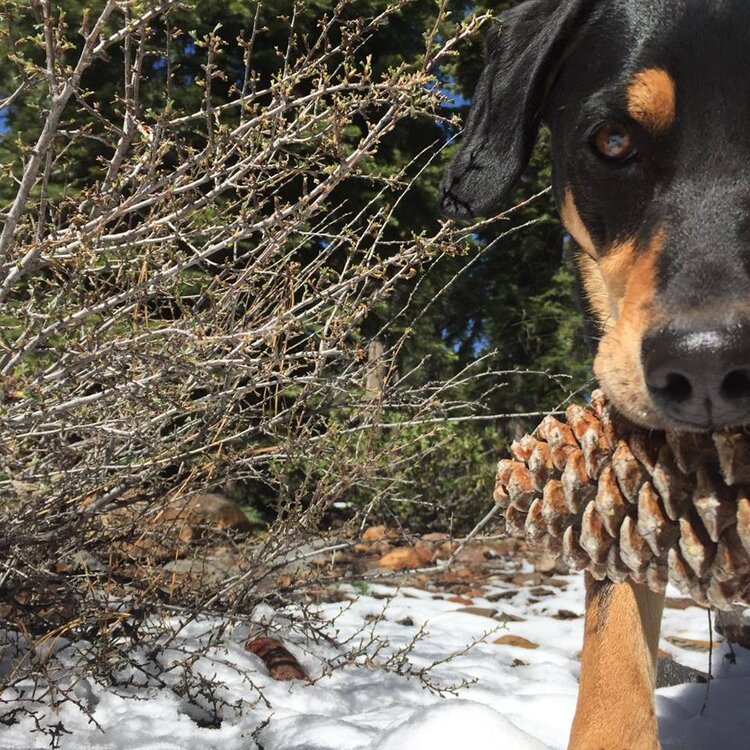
column 625, row 502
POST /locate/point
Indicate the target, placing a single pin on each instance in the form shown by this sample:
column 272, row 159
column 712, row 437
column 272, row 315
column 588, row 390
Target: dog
column 650, row 128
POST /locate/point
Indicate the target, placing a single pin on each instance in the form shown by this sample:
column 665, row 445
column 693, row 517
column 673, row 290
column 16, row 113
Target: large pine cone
column 625, row 502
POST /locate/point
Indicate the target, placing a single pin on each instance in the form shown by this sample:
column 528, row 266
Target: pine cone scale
column 671, row 484
column 628, row 470
column 653, row 523
column 743, row 519
column 576, row 485
column 554, row 507
column 609, row 502
column 734, row 457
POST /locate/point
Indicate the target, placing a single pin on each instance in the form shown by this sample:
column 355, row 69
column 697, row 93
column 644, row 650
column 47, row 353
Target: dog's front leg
column 618, row 668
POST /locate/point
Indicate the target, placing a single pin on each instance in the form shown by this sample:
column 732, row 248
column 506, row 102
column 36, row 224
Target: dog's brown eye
column 613, row 141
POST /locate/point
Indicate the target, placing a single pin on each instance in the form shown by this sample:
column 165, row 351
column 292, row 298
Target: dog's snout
column 700, row 378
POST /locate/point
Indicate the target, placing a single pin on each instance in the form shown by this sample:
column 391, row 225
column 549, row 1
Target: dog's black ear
column 502, row 126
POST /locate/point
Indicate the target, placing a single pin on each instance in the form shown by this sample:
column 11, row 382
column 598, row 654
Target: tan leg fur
column 618, row 668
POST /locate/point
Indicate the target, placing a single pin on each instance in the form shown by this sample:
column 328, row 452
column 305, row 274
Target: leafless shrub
column 179, row 321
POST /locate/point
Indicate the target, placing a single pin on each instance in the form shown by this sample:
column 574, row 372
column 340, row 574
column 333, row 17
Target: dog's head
column 647, row 105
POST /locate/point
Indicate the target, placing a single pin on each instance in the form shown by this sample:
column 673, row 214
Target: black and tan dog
column 648, row 104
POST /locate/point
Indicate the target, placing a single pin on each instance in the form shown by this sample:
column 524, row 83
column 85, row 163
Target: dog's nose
column 700, row 378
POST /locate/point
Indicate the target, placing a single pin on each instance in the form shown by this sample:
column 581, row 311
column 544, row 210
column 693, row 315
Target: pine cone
column 625, row 502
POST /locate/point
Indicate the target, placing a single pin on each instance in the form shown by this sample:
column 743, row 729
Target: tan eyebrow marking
column 651, row 99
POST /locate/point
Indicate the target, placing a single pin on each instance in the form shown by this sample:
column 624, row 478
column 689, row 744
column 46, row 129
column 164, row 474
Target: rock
column 691, row 644
column 472, row 555
column 672, row 602
column 464, row 573
column 507, row 617
column 544, row 563
column 501, row 595
column 541, row 591
column 369, row 563
column 445, row 550
column 375, row 540
column 479, row 611
column 373, row 534
column 491, row 613
column 558, row 583
column 441, row 545
column 403, row 558
column 566, row 614
column 525, row 579
column 517, row 641
column 435, row 536
column 163, row 533
column 670, row 672
column 734, row 625
column 206, row 510
column 473, row 593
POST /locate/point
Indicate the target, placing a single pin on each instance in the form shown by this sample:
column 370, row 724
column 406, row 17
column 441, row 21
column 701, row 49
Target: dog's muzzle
column 700, row 378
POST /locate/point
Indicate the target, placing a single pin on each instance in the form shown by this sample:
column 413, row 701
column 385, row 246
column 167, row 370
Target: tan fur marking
column 651, row 99
column 618, row 364
column 574, row 224
column 620, row 288
column 618, row 669
column 597, row 295
column 616, row 268
column 595, row 288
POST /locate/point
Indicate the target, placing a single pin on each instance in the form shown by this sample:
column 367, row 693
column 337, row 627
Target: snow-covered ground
column 517, row 697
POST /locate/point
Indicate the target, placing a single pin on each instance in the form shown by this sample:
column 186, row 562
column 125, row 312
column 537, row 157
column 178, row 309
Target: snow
column 494, row 695
column 455, row 723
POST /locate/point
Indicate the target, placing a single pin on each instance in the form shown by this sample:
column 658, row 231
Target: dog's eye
column 613, row 141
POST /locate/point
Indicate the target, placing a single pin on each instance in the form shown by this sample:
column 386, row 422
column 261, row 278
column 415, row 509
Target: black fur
column 502, row 127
